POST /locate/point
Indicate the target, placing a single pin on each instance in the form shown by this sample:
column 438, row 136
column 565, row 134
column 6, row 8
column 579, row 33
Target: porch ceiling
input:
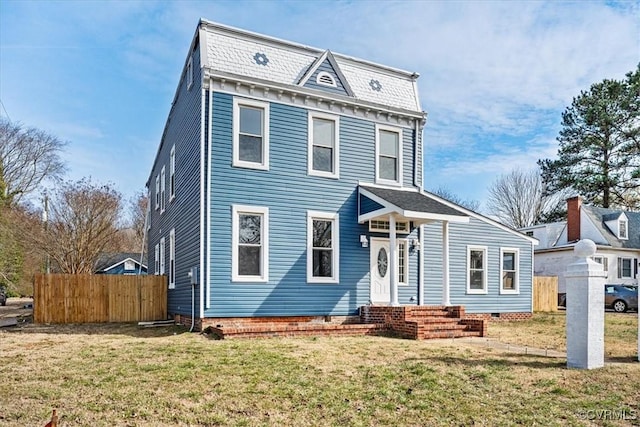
column 408, row 204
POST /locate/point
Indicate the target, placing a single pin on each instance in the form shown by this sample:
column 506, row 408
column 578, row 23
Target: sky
column 495, row 76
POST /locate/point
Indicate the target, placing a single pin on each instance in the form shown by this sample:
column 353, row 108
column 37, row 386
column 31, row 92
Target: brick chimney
column 573, row 218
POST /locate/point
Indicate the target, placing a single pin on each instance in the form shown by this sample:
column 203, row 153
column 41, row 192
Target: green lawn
column 125, row 376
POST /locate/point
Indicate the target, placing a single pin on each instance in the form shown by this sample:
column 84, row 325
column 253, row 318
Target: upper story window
column 250, row 134
column 388, row 155
column 510, row 261
column 324, row 151
column 326, row 79
column 163, row 189
column 190, row 73
column 157, row 192
column 129, row 265
column 323, row 252
column 476, row 269
column 172, row 174
column 250, row 244
column 623, row 230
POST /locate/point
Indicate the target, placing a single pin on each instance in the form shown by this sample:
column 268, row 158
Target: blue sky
column 495, row 76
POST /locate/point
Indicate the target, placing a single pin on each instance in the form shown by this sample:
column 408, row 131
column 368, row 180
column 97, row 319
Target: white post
column 585, row 309
column 392, row 262
column 445, row 264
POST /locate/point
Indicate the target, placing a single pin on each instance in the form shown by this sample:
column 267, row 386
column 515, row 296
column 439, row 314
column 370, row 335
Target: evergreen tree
column 599, row 153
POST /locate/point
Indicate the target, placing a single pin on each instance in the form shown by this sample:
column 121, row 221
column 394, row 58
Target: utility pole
column 45, row 220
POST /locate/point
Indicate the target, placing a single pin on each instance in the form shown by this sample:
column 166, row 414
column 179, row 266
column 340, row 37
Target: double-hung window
column 172, row 259
column 250, row 134
column 476, row 269
column 157, row 192
column 323, row 249
column 250, row 241
column 323, row 152
column 172, row 174
column 510, row 260
column 623, row 232
column 162, row 251
column 388, row 155
column 163, row 189
column 157, row 259
column 625, row 268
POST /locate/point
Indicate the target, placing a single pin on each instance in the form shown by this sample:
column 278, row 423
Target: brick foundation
column 500, row 317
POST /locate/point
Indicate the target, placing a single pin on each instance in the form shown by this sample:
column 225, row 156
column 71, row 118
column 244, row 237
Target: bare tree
column 519, row 199
column 28, row 156
column 83, row 222
column 138, row 210
column 445, row 193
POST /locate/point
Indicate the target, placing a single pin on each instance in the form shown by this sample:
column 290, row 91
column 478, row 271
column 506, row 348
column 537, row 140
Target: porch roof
column 409, row 204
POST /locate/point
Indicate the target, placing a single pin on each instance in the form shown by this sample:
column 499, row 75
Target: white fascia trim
column 516, row 290
column 485, row 266
column 264, row 236
column 335, row 246
column 375, row 214
column 400, row 171
column 264, row 106
column 336, row 148
column 123, row 261
column 313, row 69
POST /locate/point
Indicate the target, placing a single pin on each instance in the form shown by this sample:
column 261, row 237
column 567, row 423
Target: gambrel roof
column 227, row 50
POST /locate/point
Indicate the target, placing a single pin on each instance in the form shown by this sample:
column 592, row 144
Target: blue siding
column 327, row 68
column 183, row 213
column 367, row 205
column 481, row 234
column 288, row 191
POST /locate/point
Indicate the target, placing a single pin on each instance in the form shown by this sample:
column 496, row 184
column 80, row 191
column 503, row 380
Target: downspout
column 208, row 210
column 202, row 207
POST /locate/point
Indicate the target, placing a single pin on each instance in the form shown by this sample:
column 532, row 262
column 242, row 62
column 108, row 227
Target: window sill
column 388, row 182
column 249, row 165
column 509, row 292
column 323, row 174
column 322, row 281
column 249, row 279
column 476, row 292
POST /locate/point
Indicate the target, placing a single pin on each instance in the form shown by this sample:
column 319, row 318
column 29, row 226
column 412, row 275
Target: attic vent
column 375, row 85
column 325, row 79
column 260, row 58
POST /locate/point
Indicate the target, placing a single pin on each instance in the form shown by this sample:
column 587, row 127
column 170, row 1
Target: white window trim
column 172, row 174
column 172, row 259
column 623, row 231
column 603, row 260
column 620, row 269
column 485, row 250
column 397, row 130
column 236, row 210
column 516, row 285
column 148, row 213
column 157, row 192
column 237, row 103
column 190, row 72
column 163, row 189
column 162, row 252
column 157, row 259
column 325, row 74
column 336, row 149
column 335, row 246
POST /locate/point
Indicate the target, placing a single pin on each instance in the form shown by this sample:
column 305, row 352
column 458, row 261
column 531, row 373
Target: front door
column 380, row 283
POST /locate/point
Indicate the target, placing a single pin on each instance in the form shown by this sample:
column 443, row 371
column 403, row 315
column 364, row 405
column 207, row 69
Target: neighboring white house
column 616, row 234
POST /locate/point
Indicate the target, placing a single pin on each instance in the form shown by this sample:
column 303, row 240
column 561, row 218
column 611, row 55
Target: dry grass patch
column 125, row 376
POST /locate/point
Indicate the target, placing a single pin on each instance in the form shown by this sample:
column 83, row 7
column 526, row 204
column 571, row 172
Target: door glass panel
column 382, row 262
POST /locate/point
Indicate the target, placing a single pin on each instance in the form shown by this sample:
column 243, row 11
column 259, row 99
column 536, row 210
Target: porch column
column 445, row 263
column 393, row 283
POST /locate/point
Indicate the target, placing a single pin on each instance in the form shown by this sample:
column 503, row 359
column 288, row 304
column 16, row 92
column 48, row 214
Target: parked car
column 3, row 296
column 621, row 297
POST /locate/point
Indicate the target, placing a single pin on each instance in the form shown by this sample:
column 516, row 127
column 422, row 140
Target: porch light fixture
column 415, row 244
column 363, row 241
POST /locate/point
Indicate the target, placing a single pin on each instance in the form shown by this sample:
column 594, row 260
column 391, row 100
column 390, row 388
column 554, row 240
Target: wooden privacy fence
column 97, row 298
column 545, row 293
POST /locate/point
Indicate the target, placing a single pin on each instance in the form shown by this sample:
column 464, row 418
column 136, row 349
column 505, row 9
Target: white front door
column 380, row 284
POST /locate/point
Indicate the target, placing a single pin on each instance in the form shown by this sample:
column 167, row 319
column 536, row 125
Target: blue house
column 289, row 185
column 120, row 263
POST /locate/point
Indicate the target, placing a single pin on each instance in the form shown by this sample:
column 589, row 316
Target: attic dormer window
column 326, row 79
column 623, row 231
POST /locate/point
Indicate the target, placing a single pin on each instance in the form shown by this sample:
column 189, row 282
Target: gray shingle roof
column 600, row 215
column 107, row 260
column 413, row 201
